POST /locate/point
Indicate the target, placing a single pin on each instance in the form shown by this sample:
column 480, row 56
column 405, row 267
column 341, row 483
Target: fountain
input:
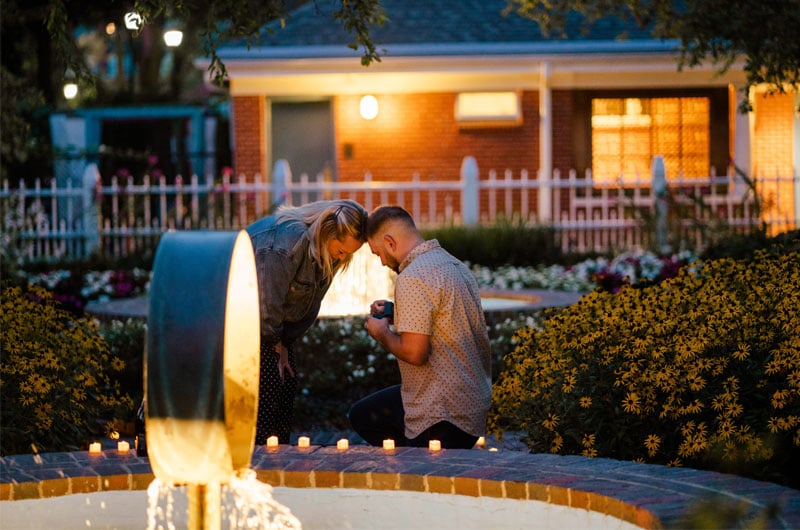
column 202, row 371
column 353, row 289
column 201, row 388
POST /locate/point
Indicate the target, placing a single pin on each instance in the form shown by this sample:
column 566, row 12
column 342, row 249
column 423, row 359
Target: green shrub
column 126, row 341
column 57, row 388
column 702, row 370
column 744, row 246
column 502, row 243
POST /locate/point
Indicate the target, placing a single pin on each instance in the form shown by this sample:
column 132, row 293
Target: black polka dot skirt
column 275, row 397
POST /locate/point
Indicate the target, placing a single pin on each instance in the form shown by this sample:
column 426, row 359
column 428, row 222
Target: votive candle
column 343, row 444
column 388, row 444
column 123, row 446
column 272, row 442
column 435, row 445
column 304, row 442
column 95, row 448
column 481, row 442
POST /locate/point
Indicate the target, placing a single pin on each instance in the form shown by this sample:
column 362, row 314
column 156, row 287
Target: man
column 439, row 339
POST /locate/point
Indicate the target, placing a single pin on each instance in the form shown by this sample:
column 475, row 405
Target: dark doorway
column 302, row 134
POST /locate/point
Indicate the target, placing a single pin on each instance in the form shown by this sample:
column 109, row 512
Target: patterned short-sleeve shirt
column 437, row 295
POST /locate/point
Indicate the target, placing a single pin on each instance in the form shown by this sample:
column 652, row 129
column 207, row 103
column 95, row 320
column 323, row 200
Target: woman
column 298, row 250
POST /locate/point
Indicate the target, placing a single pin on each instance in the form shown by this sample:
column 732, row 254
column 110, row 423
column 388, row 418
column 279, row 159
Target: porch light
column 70, row 90
column 173, row 38
column 369, row 107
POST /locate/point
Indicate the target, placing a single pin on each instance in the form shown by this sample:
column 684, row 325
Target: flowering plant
column 59, row 382
column 73, row 289
column 700, row 370
column 636, row 267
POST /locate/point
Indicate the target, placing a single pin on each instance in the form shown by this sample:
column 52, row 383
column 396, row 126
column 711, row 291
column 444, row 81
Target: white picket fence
column 42, row 223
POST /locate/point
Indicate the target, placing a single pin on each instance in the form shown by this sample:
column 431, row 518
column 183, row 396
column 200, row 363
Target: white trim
column 545, row 206
column 316, row 77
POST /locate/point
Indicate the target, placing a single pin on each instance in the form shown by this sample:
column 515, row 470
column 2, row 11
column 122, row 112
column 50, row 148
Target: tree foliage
column 762, row 34
column 216, row 22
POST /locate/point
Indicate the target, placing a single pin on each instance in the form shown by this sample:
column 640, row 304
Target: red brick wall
column 418, row 133
column 250, row 143
column 773, row 153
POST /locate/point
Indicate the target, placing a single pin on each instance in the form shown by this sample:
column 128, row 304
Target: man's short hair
column 386, row 214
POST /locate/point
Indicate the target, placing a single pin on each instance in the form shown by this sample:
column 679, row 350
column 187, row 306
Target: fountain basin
column 646, row 496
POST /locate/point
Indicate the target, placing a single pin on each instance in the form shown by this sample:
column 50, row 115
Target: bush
column 702, row 370
column 126, row 341
column 502, row 243
column 58, row 389
column 744, row 246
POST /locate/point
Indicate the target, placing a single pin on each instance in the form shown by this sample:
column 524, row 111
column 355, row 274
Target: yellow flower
column 779, row 398
column 117, row 364
column 652, row 443
column 726, row 429
column 590, row 453
column 556, row 444
column 734, row 409
column 586, row 402
column 550, row 422
column 742, row 353
column 588, row 440
column 631, row 403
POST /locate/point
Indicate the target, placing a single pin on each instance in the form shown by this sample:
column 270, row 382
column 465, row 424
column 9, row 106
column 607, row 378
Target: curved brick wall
column 646, row 495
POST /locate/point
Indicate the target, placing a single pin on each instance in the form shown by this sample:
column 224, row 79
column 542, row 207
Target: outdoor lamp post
column 133, row 21
column 173, row 38
column 70, row 90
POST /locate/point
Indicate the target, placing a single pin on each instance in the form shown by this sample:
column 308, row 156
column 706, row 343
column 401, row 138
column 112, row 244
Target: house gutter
column 546, row 48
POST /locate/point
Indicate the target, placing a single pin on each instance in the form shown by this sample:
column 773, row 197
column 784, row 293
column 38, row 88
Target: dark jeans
column 381, row 415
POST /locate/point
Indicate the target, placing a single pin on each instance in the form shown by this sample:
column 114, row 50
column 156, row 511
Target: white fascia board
column 442, row 73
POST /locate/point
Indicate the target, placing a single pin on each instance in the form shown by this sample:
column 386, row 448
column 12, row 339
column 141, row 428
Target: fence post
column 91, row 230
column 470, row 191
column 658, row 175
column 281, row 176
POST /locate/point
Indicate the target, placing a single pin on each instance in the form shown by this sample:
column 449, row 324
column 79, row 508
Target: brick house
column 457, row 78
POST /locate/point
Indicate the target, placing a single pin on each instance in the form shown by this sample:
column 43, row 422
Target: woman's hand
column 283, row 360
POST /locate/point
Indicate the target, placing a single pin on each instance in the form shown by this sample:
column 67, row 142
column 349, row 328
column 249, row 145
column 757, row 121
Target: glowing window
column 488, row 108
column 628, row 132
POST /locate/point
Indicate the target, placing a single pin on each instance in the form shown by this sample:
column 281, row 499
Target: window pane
column 628, row 132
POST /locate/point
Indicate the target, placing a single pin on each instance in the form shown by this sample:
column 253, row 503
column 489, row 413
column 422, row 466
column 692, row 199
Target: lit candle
column 388, row 444
column 435, row 445
column 342, row 444
column 95, row 448
column 123, row 446
column 304, row 442
column 272, row 442
column 481, row 442
column 493, row 450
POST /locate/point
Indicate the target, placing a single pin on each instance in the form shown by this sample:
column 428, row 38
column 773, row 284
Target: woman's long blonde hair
column 328, row 220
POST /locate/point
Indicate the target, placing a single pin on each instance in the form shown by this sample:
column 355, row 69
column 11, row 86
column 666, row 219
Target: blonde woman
column 298, row 251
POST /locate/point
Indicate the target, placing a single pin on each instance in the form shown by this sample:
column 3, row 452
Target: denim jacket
column 290, row 282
